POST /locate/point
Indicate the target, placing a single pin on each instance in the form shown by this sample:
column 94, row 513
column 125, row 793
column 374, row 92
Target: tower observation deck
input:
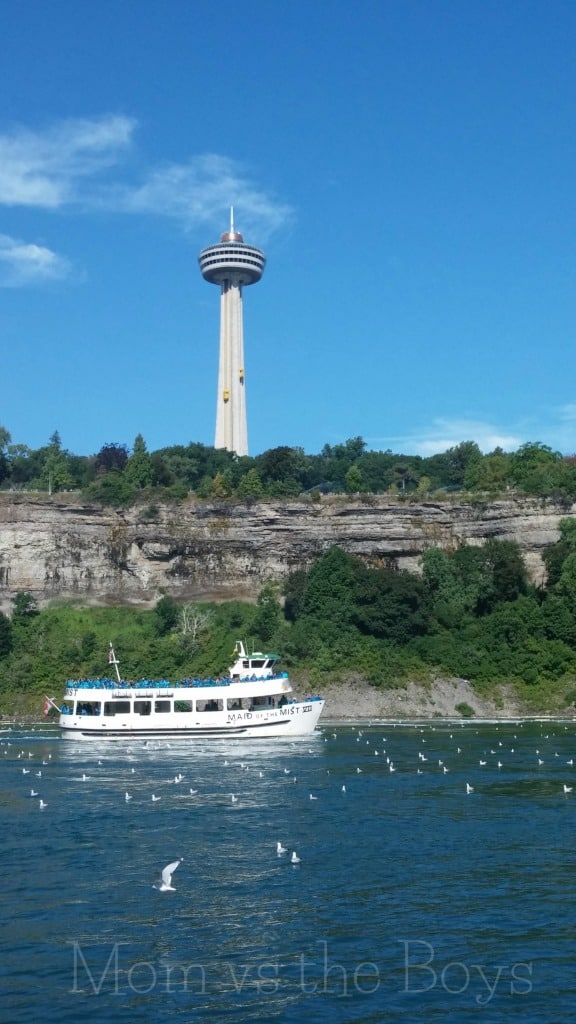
column 231, row 264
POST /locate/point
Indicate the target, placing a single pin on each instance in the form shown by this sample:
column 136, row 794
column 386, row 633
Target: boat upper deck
column 163, row 684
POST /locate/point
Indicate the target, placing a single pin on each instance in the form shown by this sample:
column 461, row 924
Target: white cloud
column 23, row 263
column 442, row 434
column 64, row 165
column 44, row 169
column 567, row 413
column 200, row 192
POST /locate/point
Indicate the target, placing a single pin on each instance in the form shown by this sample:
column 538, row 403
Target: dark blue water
column 413, row 899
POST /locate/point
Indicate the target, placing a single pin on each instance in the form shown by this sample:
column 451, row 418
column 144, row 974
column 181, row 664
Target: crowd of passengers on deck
column 114, row 684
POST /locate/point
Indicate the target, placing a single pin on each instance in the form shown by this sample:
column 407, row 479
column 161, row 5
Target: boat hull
column 297, row 719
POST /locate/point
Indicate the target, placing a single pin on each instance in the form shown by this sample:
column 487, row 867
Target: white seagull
column 294, row 859
column 166, row 880
column 280, row 849
column 469, row 788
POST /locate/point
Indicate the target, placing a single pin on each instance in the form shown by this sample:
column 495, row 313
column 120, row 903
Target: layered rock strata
column 61, row 548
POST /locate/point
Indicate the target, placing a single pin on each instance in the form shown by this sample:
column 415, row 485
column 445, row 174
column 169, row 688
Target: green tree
column 390, row 605
column 490, row 473
column 353, row 480
column 221, row 486
column 5, row 635
column 555, row 555
column 4, row 464
column 166, row 615
column 250, row 486
column 328, row 596
column 294, row 588
column 269, row 614
column 55, row 471
column 532, row 467
column 24, row 606
column 138, row 471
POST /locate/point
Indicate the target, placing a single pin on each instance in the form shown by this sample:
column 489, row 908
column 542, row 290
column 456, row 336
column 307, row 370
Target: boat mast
column 113, row 660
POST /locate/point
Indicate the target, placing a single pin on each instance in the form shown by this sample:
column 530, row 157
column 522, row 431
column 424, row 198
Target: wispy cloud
column 442, row 434
column 23, row 263
column 82, row 163
column 45, row 169
column 200, row 191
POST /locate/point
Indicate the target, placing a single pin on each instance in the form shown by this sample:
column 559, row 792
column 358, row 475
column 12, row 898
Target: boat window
column 88, row 707
column 142, row 707
column 209, row 705
column 117, row 707
column 257, row 663
column 182, row 705
column 162, row 707
column 261, row 702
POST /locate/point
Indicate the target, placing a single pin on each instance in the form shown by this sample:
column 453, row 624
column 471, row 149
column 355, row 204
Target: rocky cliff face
column 55, row 548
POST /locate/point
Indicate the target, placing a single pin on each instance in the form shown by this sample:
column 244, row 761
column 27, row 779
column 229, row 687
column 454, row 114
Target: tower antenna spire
column 231, row 220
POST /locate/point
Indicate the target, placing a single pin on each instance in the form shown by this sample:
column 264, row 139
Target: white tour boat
column 254, row 699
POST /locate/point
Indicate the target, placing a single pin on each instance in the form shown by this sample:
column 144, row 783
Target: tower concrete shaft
column 231, row 264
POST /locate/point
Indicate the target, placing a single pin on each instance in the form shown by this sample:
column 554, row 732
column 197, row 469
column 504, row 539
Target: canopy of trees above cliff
column 119, row 475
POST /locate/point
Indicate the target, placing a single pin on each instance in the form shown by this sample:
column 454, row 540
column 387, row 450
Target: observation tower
column 231, row 264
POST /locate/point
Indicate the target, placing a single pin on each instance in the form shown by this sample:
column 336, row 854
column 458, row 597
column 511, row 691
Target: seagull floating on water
column 469, row 788
column 166, row 880
column 42, row 805
column 294, row 859
column 567, row 789
column 280, row 849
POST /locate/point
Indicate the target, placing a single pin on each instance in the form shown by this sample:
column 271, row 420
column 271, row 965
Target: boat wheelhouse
column 254, row 699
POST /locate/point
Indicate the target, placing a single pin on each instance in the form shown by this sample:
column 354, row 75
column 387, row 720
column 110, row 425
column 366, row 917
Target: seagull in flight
column 166, row 879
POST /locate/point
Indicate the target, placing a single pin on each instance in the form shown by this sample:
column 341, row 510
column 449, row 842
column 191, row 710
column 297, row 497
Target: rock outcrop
column 58, row 547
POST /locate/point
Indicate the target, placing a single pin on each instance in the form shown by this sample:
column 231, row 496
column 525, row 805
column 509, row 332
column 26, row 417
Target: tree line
column 472, row 612
column 119, row 475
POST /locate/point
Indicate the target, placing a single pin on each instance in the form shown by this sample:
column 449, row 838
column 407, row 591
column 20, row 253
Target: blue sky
column 408, row 166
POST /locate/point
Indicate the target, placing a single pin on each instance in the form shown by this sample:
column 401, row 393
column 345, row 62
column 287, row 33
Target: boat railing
column 160, row 684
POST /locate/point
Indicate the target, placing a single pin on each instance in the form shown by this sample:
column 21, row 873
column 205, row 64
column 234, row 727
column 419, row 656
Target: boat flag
column 49, row 703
